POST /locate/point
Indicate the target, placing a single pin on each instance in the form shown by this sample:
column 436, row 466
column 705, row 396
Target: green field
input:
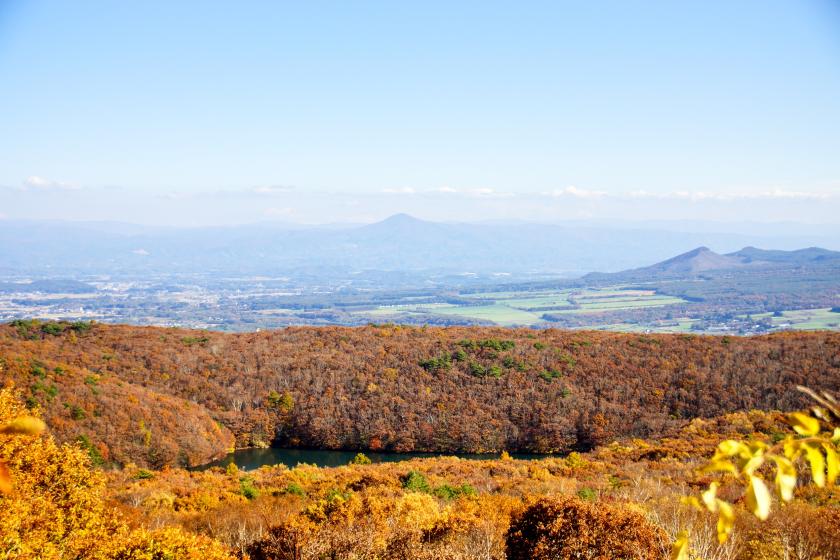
column 682, row 326
column 498, row 313
column 389, row 310
column 510, row 309
column 527, row 308
column 592, row 301
column 808, row 319
column 527, row 303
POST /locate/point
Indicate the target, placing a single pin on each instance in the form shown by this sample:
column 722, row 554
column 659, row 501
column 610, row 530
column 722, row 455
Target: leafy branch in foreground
column 816, row 440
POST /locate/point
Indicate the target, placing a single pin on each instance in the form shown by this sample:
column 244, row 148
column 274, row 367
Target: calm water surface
column 248, row 459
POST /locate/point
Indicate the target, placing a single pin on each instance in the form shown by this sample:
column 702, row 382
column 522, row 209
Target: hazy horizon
column 710, row 225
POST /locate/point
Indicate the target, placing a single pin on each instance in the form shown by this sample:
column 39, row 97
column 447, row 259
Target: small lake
column 249, row 459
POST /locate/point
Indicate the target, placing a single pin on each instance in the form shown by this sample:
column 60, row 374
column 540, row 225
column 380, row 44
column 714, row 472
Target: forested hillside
column 157, row 396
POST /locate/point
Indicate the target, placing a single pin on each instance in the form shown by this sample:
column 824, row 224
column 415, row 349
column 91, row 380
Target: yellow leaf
column 792, row 448
column 832, row 462
column 803, row 424
column 815, row 458
column 691, row 501
column 758, row 498
column 24, row 425
column 836, row 436
column 785, row 477
column 757, row 446
column 679, row 551
column 752, row 465
column 710, row 497
column 730, row 448
column 726, row 520
column 5, row 479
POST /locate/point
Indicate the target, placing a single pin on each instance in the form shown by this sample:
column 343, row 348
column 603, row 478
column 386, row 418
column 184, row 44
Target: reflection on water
column 248, row 459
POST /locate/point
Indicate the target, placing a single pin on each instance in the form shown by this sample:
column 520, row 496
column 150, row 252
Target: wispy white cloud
column 399, row 190
column 38, row 183
column 478, row 192
column 781, row 193
column 483, row 192
column 700, row 196
column 574, row 191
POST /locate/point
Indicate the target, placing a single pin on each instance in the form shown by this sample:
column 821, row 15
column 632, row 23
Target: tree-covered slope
column 169, row 396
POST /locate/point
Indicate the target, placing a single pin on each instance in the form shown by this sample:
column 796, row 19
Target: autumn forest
column 121, row 389
column 624, row 420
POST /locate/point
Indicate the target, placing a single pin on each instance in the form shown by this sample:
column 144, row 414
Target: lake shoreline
column 251, row 458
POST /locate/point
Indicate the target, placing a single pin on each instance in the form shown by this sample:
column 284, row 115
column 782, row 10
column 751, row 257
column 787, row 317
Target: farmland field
column 677, row 326
column 499, row 313
column 534, row 303
column 387, row 310
column 594, row 300
column 527, row 308
column 808, row 319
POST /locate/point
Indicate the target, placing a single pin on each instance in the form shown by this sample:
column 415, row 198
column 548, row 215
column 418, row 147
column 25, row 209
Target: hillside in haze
column 399, row 243
column 692, row 262
column 745, row 261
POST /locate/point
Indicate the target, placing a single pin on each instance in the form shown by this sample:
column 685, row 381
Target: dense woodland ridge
column 158, row 396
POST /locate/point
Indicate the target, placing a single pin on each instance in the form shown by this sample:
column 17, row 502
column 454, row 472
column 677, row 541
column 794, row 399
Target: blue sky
column 229, row 112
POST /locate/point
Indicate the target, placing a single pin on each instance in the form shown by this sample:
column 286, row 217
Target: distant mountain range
column 702, row 260
column 399, row 243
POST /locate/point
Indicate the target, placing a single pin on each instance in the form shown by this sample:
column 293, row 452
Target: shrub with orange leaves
column 170, row 543
column 53, row 507
column 566, row 528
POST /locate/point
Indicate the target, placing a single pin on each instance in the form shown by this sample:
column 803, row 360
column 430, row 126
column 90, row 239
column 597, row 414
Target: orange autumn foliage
column 55, row 508
column 395, row 388
column 155, row 397
column 447, row 507
column 568, row 528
